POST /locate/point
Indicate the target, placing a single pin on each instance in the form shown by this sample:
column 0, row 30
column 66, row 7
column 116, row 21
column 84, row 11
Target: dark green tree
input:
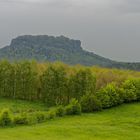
column 81, row 83
column 25, row 81
column 53, row 82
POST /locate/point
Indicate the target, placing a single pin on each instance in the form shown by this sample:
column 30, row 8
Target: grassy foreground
column 118, row 123
column 21, row 105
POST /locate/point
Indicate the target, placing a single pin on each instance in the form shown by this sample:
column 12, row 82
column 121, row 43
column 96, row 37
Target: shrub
column 135, row 85
column 20, row 119
column 60, row 111
column 51, row 114
column 5, row 118
column 40, row 116
column 74, row 108
column 120, row 91
column 69, row 110
column 24, row 118
column 90, row 103
column 31, row 119
column 109, row 96
column 130, row 91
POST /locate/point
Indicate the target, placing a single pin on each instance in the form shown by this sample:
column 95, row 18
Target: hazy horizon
column 108, row 28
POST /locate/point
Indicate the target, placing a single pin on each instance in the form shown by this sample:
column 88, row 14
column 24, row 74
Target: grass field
column 120, row 123
column 21, row 106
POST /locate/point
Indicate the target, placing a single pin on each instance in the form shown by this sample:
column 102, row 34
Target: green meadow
column 118, row 123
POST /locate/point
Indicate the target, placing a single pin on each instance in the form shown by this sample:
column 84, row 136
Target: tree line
column 52, row 85
column 57, row 83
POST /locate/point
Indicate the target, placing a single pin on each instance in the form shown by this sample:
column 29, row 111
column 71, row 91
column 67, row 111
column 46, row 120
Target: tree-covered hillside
column 49, row 48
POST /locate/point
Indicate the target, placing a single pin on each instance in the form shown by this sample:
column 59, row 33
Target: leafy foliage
column 5, row 118
column 130, row 91
column 69, row 89
column 60, row 111
column 54, row 85
column 109, row 96
column 74, row 108
column 81, row 83
column 90, row 103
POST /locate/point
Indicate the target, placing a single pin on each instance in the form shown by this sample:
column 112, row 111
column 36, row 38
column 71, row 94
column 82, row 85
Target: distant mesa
column 61, row 48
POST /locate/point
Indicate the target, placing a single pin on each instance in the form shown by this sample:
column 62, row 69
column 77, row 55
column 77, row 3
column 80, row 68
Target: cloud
column 120, row 6
column 59, row 2
column 104, row 26
column 126, row 6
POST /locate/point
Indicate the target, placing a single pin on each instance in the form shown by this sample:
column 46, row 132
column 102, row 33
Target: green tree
column 6, row 78
column 25, row 81
column 53, row 82
column 81, row 83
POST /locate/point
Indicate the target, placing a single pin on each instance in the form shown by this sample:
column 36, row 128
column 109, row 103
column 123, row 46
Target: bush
column 109, row 96
column 20, row 119
column 24, row 118
column 136, row 83
column 40, row 116
column 60, row 111
column 51, row 114
column 133, row 85
column 5, row 118
column 120, row 91
column 90, row 103
column 74, row 108
column 31, row 119
column 130, row 91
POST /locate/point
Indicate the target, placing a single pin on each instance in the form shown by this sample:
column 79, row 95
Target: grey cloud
column 127, row 6
column 107, row 27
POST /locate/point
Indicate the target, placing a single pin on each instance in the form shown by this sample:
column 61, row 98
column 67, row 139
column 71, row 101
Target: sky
column 110, row 28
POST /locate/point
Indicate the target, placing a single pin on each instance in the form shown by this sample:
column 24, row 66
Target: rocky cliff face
column 35, row 42
column 50, row 48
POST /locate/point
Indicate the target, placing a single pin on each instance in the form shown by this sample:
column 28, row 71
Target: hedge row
column 7, row 118
column 112, row 95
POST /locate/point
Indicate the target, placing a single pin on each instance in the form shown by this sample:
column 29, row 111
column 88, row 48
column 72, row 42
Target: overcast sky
column 110, row 28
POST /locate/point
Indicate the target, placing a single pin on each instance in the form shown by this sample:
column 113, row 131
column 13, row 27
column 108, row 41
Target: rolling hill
column 50, row 48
